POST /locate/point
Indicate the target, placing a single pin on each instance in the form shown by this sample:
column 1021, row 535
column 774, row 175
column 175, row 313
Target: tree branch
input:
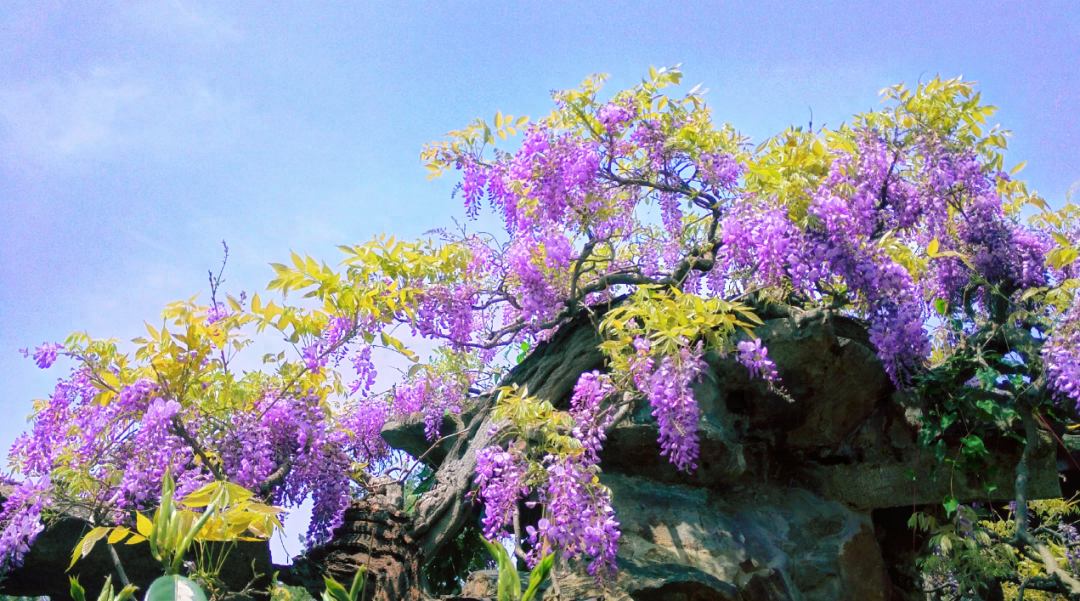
column 276, row 478
column 179, row 430
column 1023, row 534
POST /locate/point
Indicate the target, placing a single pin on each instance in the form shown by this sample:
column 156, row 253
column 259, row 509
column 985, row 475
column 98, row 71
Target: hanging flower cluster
column 639, row 207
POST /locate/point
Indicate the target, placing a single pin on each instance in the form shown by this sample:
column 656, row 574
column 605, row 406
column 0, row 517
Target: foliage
column 509, row 584
column 228, row 514
column 174, row 587
column 78, row 593
column 284, row 592
column 461, row 556
column 335, row 591
column 672, row 234
column 972, row 549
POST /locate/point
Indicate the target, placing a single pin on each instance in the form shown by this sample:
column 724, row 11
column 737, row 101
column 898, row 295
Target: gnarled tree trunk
column 373, row 536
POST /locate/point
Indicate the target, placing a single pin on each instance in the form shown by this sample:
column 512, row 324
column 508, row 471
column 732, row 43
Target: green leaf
column 509, row 581
column 538, row 576
column 143, row 524
column 83, row 548
column 106, row 590
column 973, row 446
column 950, row 504
column 335, row 589
column 939, row 450
column 947, row 420
column 1066, row 257
column 1071, row 441
column 987, row 377
column 987, row 405
column 358, row 583
column 174, row 588
column 941, row 306
column 118, row 535
column 78, row 593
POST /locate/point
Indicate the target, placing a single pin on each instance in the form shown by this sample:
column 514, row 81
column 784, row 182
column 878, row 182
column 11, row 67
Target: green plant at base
column 335, row 591
column 509, row 586
column 78, row 593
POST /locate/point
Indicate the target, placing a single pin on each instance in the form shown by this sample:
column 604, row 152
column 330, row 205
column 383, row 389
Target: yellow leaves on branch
column 234, row 517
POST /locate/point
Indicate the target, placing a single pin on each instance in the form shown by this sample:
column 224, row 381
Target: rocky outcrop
column 794, row 493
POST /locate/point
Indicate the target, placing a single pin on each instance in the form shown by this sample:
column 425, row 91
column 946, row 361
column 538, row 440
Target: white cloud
column 107, row 111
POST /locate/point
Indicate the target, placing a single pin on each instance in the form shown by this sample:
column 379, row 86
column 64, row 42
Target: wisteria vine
column 639, row 205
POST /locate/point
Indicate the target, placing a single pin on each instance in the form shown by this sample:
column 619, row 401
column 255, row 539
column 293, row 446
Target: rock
column 408, row 434
column 761, row 542
column 790, row 488
column 889, row 484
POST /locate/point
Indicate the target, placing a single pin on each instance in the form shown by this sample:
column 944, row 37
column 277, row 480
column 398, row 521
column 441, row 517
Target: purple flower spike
column 45, row 355
column 755, row 357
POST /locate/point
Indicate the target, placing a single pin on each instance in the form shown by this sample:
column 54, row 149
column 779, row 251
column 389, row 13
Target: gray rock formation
column 783, row 503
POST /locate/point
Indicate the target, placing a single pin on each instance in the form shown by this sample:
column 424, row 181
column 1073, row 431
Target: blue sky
column 134, row 137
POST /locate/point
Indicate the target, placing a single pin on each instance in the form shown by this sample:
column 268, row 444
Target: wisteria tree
column 672, row 234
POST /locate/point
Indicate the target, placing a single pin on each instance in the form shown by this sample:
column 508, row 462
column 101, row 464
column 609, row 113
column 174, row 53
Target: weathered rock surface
column 755, row 544
column 782, row 504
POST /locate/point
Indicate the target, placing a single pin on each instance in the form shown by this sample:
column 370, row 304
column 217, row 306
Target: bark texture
column 374, row 536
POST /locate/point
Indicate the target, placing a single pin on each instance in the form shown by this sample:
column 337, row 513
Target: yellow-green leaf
column 87, row 544
column 110, row 378
column 143, row 524
column 118, row 535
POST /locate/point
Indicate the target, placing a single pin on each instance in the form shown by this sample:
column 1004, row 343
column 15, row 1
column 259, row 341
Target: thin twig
column 119, row 567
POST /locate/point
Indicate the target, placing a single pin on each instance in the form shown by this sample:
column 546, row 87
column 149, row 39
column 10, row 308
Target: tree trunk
column 374, row 536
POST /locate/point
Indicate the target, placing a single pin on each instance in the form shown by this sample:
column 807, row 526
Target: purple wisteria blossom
column 217, row 312
column 755, row 357
column 21, row 521
column 44, row 355
column 330, row 346
column 580, row 520
column 500, row 478
column 1061, row 354
column 590, row 422
column 668, row 387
